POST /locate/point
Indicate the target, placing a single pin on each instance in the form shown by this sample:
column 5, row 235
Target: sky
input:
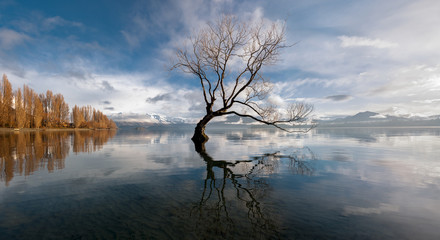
column 347, row 57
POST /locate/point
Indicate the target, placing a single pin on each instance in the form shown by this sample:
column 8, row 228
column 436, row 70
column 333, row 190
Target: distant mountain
column 374, row 119
column 143, row 120
column 157, row 122
column 362, row 116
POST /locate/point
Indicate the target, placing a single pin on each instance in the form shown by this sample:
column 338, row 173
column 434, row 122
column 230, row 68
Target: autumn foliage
column 25, row 108
column 88, row 117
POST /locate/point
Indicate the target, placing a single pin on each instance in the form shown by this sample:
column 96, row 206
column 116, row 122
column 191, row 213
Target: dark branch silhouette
column 248, row 189
column 227, row 58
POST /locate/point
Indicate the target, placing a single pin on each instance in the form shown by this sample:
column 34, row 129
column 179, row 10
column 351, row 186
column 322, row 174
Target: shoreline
column 49, row 129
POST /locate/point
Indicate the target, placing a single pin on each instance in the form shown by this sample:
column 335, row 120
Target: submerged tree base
column 200, row 138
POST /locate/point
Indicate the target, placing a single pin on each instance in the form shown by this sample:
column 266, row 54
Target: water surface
column 368, row 183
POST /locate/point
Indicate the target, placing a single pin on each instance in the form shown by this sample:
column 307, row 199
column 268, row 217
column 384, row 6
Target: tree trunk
column 200, row 138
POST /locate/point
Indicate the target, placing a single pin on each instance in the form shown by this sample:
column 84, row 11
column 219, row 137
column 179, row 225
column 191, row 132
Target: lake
column 345, row 183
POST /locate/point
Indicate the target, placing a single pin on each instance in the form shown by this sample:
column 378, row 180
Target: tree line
column 24, row 108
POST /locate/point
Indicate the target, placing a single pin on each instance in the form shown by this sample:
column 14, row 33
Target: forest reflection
column 22, row 153
column 243, row 185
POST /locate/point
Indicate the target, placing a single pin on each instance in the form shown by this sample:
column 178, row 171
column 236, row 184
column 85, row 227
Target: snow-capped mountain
column 134, row 119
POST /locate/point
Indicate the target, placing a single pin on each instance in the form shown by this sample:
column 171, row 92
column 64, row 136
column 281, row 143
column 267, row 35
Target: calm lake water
column 250, row 184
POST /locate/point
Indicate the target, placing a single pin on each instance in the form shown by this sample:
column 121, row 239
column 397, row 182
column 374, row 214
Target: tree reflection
column 27, row 152
column 241, row 187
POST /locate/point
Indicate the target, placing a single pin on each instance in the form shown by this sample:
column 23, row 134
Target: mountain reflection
column 22, row 153
column 242, row 187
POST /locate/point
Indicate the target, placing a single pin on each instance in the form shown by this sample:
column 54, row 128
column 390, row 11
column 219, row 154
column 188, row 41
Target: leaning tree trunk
column 200, row 138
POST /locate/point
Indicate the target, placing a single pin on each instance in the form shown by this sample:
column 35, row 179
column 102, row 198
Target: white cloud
column 10, row 38
column 354, row 41
column 427, row 101
column 362, row 211
column 53, row 22
column 378, row 116
column 276, row 100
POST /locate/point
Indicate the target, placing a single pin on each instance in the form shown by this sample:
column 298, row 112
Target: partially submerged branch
column 297, row 120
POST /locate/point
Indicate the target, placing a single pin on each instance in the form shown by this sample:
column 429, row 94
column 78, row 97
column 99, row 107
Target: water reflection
column 247, row 184
column 241, row 187
column 373, row 135
column 23, row 153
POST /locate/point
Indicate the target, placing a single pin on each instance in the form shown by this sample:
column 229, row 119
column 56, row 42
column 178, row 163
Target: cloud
column 338, row 98
column 78, row 74
column 109, row 108
column 39, row 26
column 106, row 102
column 354, row 41
column 197, row 107
column 363, row 211
column 409, row 81
column 57, row 21
column 140, row 26
column 275, row 100
column 107, row 86
column 160, row 97
column 10, row 38
column 132, row 39
column 428, row 101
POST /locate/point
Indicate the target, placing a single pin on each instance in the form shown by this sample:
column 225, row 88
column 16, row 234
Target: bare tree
column 227, row 57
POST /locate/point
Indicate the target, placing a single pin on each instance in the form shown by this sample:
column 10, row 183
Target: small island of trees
column 24, row 108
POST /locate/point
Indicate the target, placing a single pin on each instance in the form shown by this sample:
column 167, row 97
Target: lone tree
column 227, row 57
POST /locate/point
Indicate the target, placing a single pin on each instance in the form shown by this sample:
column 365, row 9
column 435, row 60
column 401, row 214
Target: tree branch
column 274, row 123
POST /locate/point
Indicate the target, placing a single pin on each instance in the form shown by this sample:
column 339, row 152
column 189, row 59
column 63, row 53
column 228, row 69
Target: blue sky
column 350, row 56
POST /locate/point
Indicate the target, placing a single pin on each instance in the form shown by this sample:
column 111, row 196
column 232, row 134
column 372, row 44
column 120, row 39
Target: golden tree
column 38, row 111
column 1, row 104
column 6, row 114
column 28, row 105
column 20, row 113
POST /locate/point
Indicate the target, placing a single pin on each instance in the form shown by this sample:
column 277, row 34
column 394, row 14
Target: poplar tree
column 28, row 105
column 77, row 117
column 20, row 114
column 7, row 110
column 1, row 104
column 38, row 111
